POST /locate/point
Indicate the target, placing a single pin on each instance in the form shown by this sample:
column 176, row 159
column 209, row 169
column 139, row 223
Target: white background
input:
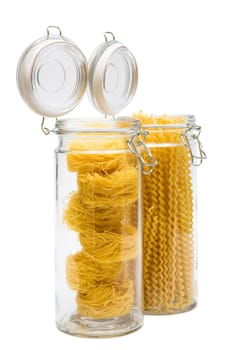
column 185, row 57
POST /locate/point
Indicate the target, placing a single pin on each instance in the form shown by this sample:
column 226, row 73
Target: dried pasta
column 118, row 188
column 110, row 247
column 84, row 273
column 108, row 300
column 98, row 156
column 168, row 219
column 80, row 217
column 102, row 211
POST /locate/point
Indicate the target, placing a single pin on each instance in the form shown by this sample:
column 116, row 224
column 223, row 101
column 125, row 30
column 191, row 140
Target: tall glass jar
column 169, row 232
column 98, row 228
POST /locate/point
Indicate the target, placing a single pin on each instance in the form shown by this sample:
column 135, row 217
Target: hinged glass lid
column 52, row 74
column 113, row 77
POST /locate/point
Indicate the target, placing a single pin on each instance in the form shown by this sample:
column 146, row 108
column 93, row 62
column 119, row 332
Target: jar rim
column 125, row 125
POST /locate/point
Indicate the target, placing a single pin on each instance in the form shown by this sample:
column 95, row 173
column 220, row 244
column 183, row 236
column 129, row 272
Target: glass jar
column 169, row 201
column 98, row 181
column 98, row 228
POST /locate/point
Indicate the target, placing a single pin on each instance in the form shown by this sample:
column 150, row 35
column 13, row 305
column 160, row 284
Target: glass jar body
column 169, row 232
column 98, row 232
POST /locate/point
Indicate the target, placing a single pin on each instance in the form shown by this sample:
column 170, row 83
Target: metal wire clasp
column 57, row 31
column 138, row 147
column 190, row 138
column 45, row 130
column 106, row 34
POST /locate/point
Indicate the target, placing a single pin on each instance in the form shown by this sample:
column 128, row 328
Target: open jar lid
column 113, row 77
column 52, row 74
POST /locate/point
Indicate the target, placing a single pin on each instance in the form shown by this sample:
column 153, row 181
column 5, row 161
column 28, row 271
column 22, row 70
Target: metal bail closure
column 191, row 140
column 56, row 29
column 138, row 147
column 106, row 34
column 45, row 130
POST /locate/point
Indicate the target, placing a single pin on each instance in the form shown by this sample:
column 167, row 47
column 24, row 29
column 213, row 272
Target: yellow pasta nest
column 99, row 156
column 108, row 247
column 105, row 301
column 83, row 273
column 168, row 220
column 119, row 188
column 80, row 217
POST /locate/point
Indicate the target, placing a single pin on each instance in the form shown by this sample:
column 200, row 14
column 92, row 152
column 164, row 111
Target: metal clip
column 191, row 136
column 136, row 142
column 49, row 34
column 45, row 130
column 106, row 37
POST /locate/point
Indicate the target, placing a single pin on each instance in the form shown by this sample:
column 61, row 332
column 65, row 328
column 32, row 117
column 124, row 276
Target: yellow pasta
column 108, row 300
column 119, row 188
column 80, row 217
column 84, row 273
column 108, row 247
column 168, row 219
column 103, row 213
column 99, row 156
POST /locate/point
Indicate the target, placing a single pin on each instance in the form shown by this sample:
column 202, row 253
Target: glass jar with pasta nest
column 98, row 229
column 98, row 181
column 169, row 201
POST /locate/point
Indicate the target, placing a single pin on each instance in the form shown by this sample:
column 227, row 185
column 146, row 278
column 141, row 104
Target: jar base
column 101, row 328
column 170, row 312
